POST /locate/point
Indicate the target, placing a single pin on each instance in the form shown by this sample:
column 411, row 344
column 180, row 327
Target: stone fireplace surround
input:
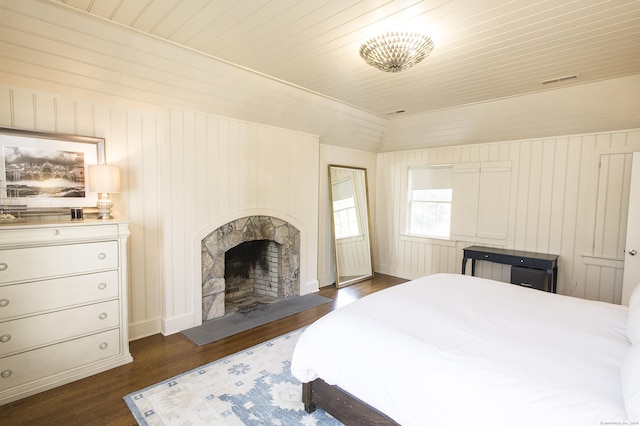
column 230, row 235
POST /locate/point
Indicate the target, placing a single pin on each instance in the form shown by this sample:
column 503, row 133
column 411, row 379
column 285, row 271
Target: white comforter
column 457, row 350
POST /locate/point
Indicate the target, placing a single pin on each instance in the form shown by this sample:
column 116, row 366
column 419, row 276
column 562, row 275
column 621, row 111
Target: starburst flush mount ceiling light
column 396, row 51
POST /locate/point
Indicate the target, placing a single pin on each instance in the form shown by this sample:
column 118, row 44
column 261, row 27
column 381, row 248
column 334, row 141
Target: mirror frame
column 341, row 283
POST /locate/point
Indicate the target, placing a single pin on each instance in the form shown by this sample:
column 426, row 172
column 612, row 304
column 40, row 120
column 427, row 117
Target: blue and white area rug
column 252, row 387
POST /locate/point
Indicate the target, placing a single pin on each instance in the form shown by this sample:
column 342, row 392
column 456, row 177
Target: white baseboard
column 395, row 272
column 177, row 324
column 146, row 328
column 326, row 280
column 309, row 287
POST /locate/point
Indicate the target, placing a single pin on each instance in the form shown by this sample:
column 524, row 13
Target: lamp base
column 104, row 207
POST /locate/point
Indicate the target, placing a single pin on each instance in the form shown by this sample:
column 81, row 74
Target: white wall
column 157, row 106
column 552, row 210
column 216, row 170
column 184, row 174
column 132, row 137
column 154, row 103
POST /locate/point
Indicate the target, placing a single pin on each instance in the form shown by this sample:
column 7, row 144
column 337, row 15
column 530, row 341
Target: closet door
column 632, row 245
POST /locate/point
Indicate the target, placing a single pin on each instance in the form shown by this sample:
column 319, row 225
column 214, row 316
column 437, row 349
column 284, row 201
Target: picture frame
column 43, row 170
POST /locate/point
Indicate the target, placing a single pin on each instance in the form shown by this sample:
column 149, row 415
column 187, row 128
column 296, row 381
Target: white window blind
column 430, row 193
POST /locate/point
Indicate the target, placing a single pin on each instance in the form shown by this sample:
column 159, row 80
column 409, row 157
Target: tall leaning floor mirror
column 350, row 220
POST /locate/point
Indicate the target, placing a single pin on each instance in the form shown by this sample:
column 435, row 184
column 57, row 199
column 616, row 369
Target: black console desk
column 547, row 262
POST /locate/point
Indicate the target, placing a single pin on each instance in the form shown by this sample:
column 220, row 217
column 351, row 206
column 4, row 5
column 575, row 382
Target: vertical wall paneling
column 552, row 208
column 480, row 203
column 612, row 191
column 6, row 107
column 558, row 193
column 218, row 170
column 466, row 188
column 493, row 201
column 45, row 113
column 65, row 115
column 131, row 138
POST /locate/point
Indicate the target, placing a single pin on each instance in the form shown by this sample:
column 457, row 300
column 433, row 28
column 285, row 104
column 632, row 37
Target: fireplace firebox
column 248, row 262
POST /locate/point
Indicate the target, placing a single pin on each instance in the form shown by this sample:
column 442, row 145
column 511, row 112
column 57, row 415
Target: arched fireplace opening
column 249, row 262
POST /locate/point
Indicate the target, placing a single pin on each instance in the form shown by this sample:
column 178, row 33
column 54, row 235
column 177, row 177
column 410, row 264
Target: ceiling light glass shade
column 394, row 52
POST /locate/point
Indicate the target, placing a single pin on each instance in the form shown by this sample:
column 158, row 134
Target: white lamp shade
column 104, row 178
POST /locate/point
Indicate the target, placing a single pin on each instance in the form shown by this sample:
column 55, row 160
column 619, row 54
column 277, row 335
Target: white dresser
column 63, row 303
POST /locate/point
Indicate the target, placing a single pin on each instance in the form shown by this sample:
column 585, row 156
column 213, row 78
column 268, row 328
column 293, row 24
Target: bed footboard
column 341, row 405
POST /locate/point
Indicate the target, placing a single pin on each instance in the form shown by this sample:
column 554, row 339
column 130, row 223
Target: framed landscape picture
column 47, row 170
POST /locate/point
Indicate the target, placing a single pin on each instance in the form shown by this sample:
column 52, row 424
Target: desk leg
column 552, row 280
column 473, row 267
column 464, row 265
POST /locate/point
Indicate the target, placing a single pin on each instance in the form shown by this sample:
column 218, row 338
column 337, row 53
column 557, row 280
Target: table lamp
column 104, row 179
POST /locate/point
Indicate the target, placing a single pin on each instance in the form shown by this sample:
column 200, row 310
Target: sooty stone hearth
column 247, row 263
column 251, row 275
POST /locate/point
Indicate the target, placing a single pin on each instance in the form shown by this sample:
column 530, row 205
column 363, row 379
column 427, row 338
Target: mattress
column 451, row 349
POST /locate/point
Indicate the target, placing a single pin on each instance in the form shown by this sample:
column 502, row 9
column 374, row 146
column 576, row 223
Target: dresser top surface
column 60, row 223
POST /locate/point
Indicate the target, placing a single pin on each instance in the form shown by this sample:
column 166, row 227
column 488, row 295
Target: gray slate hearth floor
column 237, row 322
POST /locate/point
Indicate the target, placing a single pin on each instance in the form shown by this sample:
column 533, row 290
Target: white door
column 632, row 249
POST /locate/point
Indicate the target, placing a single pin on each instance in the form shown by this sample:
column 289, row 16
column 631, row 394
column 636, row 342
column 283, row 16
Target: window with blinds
column 430, row 194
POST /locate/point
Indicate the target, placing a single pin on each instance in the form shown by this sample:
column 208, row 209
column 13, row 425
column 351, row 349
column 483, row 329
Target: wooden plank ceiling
column 484, row 49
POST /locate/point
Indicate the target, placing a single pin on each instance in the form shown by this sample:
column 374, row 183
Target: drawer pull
column 5, row 338
column 4, row 302
column 104, row 345
column 102, row 286
column 56, row 232
column 102, row 256
column 6, row 373
column 3, row 266
column 103, row 316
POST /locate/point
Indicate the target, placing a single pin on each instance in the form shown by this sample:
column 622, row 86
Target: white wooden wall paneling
column 550, row 209
column 466, row 187
column 131, row 144
column 493, row 206
column 114, row 64
column 217, row 170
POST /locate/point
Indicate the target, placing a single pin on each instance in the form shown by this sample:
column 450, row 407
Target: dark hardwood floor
column 97, row 400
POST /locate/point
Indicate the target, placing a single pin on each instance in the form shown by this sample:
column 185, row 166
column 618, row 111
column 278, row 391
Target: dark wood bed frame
column 341, row 405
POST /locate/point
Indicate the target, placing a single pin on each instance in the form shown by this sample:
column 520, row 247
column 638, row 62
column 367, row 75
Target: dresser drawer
column 41, row 330
column 39, row 296
column 28, row 366
column 56, row 234
column 42, row 262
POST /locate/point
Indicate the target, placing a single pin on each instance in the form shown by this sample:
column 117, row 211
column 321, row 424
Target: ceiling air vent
column 559, row 79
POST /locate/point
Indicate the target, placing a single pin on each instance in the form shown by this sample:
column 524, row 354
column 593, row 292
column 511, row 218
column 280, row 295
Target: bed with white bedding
column 452, row 349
